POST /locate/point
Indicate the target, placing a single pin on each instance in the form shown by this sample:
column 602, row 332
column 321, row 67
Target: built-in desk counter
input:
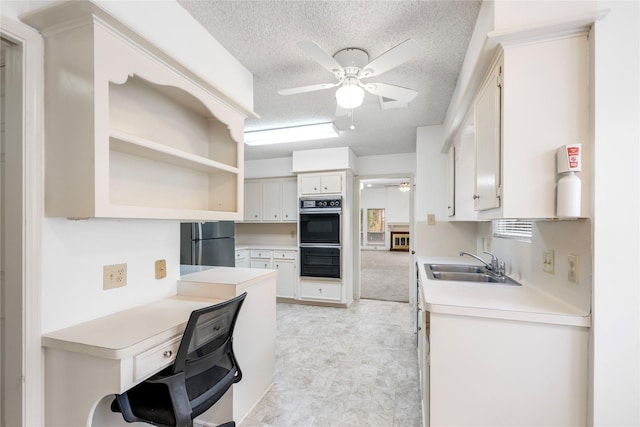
column 87, row 363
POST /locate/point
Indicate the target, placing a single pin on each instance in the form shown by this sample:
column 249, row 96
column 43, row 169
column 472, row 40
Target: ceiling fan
column 351, row 65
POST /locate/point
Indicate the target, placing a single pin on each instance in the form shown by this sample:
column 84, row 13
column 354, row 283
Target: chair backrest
column 206, row 353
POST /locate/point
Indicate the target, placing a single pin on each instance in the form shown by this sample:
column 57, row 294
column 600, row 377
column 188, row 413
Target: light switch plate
column 161, row 269
column 573, row 268
column 548, row 261
column 431, row 219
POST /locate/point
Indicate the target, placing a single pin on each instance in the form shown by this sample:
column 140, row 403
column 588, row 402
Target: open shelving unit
column 131, row 133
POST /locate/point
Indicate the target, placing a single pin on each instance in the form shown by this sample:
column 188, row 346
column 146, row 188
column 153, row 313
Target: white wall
column 524, row 260
column 443, row 238
column 387, row 164
column 284, row 234
column 393, row 201
column 268, row 168
column 616, row 213
column 74, row 252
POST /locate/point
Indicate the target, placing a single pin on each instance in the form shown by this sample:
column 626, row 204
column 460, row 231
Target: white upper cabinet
column 465, row 173
column 253, row 201
column 129, row 132
column 451, row 181
column 545, row 106
column 271, row 200
column 289, row 203
column 518, row 121
column 487, row 115
column 322, row 183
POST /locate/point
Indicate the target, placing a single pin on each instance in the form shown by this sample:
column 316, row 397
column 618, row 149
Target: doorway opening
column 386, row 205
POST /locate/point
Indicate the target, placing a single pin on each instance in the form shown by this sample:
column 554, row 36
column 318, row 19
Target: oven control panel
column 307, row 203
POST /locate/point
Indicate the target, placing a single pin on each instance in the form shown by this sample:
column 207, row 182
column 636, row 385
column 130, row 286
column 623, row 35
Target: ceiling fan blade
column 391, row 58
column 310, row 88
column 321, row 57
column 385, row 90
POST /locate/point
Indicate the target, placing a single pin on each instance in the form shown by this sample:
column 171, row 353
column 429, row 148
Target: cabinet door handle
column 475, row 196
column 168, row 353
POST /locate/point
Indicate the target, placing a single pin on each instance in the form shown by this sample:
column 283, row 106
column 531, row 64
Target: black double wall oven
column 320, row 220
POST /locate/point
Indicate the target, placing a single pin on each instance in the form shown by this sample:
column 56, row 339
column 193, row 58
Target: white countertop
column 225, row 282
column 231, row 276
column 524, row 303
column 126, row 333
column 267, row 247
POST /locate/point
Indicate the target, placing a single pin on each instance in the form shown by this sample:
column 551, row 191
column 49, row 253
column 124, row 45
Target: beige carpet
column 384, row 275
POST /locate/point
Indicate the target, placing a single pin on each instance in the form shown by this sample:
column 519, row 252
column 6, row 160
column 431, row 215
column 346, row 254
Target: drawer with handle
column 284, row 255
column 155, row 359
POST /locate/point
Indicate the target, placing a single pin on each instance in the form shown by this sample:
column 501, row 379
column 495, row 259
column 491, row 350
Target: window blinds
column 513, row 229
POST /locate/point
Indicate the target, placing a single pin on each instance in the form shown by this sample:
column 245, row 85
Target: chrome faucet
column 489, row 266
column 496, row 266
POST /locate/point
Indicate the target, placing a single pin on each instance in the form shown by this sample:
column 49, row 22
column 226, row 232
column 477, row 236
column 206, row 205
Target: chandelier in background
column 404, row 187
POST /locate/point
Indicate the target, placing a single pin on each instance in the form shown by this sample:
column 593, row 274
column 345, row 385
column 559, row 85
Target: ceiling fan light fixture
column 350, row 95
column 291, row 134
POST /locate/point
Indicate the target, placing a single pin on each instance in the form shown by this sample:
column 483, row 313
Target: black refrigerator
column 208, row 243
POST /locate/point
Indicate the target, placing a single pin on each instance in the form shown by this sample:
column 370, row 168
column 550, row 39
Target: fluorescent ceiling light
column 291, row 134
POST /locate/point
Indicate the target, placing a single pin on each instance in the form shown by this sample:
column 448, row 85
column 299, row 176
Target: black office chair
column 204, row 369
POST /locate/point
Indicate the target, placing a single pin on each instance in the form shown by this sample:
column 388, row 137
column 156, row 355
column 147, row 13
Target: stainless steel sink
column 456, row 268
column 465, row 273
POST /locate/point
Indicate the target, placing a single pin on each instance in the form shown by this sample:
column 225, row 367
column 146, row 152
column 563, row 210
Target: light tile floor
column 343, row 367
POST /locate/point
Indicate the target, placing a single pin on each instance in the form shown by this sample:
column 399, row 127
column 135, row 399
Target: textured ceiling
column 262, row 35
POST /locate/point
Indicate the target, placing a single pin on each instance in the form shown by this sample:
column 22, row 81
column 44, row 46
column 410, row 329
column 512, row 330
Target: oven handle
column 313, row 245
column 320, row 210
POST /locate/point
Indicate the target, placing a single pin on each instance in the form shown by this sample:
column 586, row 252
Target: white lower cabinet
column 423, row 358
column 286, row 262
column 489, row 372
column 321, row 290
column 287, row 277
column 242, row 258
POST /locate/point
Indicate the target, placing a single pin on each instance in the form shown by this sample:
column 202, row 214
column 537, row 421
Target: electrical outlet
column 161, row 269
column 573, row 268
column 431, row 219
column 114, row 276
column 486, row 244
column 548, row 261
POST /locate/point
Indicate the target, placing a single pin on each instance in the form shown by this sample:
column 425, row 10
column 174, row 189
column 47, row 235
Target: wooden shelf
column 141, row 147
